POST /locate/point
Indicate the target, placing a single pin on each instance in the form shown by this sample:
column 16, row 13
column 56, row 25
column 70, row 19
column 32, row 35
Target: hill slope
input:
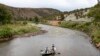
column 79, row 15
column 26, row 13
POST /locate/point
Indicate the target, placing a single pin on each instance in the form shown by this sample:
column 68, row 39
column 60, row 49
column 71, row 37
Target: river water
column 68, row 43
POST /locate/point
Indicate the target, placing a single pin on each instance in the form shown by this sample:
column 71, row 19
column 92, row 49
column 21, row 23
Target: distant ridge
column 27, row 13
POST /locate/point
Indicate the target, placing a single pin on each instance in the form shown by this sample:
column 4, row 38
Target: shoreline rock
column 97, row 45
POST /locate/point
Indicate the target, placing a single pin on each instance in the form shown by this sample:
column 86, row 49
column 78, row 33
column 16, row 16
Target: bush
column 83, row 27
column 5, row 14
column 36, row 20
column 68, row 24
column 96, row 35
column 95, row 12
column 5, row 32
column 9, row 30
column 22, row 31
column 24, row 23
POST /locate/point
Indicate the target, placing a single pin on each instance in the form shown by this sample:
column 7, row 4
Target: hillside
column 27, row 13
column 74, row 20
column 79, row 15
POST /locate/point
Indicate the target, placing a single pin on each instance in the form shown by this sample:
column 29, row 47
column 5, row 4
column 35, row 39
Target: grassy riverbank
column 91, row 28
column 7, row 31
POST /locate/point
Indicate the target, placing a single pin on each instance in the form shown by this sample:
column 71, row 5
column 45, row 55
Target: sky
column 62, row 5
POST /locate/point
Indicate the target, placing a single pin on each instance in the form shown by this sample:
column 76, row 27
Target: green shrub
column 36, row 20
column 68, row 24
column 5, row 32
column 96, row 39
column 83, row 27
column 95, row 12
column 25, row 22
column 96, row 35
column 21, row 31
column 26, row 29
column 5, row 14
column 9, row 30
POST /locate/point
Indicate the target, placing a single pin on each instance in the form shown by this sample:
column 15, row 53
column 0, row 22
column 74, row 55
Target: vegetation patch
column 7, row 31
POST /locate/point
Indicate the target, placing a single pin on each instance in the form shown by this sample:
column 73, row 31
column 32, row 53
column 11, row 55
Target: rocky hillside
column 78, row 15
column 27, row 13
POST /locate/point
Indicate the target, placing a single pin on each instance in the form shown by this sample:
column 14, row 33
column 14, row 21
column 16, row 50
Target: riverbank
column 91, row 28
column 10, row 31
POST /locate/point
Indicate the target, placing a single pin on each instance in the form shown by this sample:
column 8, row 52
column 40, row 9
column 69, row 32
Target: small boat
column 48, row 52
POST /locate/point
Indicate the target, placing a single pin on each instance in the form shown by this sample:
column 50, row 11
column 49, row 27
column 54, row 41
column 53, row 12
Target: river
column 68, row 43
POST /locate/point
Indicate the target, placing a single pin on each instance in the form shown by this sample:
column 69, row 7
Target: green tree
column 76, row 15
column 5, row 14
column 62, row 17
column 36, row 20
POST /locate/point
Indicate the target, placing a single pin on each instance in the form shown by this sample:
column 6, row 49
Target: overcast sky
column 63, row 5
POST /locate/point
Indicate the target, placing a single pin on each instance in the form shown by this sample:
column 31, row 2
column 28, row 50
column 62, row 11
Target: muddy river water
column 68, row 43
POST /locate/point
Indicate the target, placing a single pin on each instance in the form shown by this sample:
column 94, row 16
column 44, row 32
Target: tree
column 76, row 15
column 62, row 17
column 5, row 14
column 36, row 20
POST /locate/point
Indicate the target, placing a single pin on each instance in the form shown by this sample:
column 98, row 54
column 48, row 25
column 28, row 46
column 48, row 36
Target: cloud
column 63, row 5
